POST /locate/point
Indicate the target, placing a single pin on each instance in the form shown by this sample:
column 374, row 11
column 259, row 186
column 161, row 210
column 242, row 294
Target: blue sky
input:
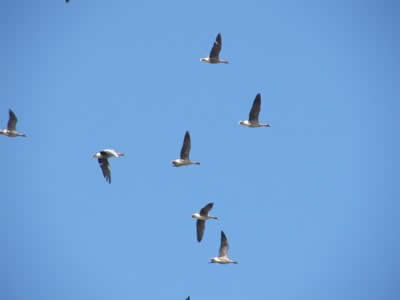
column 314, row 196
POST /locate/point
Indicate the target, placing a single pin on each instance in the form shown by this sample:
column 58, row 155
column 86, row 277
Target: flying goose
column 11, row 130
column 102, row 157
column 202, row 217
column 223, row 252
column 253, row 115
column 184, row 158
column 214, row 53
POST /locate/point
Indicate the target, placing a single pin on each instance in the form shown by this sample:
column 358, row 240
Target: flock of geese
column 183, row 160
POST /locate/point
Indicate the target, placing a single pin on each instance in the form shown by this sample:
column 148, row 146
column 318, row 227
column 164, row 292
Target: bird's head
column 96, row 155
column 174, row 163
column 212, row 260
column 241, row 123
column 204, row 59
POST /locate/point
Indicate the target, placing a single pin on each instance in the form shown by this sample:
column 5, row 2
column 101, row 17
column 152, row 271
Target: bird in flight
column 11, row 130
column 202, row 217
column 184, row 157
column 253, row 122
column 103, row 157
column 214, row 53
column 222, row 257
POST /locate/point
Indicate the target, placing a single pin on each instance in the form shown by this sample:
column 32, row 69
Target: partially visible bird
column 11, row 130
column 253, row 122
column 66, row 1
column 185, row 151
column 202, row 217
column 214, row 53
column 102, row 157
column 188, row 298
column 223, row 258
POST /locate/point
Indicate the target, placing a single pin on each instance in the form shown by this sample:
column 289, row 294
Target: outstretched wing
column 105, row 168
column 186, row 146
column 200, row 227
column 255, row 109
column 223, row 250
column 216, row 49
column 12, row 121
column 204, row 211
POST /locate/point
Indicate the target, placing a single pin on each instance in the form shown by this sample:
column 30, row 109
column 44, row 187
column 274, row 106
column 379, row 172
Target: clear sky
column 310, row 206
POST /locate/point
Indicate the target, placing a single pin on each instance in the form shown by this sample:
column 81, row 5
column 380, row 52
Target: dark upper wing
column 204, row 211
column 255, row 109
column 12, row 121
column 223, row 249
column 186, row 146
column 105, row 167
column 216, row 49
column 188, row 298
column 200, row 226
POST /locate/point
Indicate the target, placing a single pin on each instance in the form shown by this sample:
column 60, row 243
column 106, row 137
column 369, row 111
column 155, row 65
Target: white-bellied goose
column 202, row 217
column 11, row 130
column 223, row 258
column 185, row 151
column 102, row 157
column 253, row 122
column 214, row 53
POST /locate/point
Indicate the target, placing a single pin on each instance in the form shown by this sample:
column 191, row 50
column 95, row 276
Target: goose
column 102, row 157
column 185, row 150
column 11, row 130
column 223, row 252
column 214, row 53
column 202, row 217
column 253, row 115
